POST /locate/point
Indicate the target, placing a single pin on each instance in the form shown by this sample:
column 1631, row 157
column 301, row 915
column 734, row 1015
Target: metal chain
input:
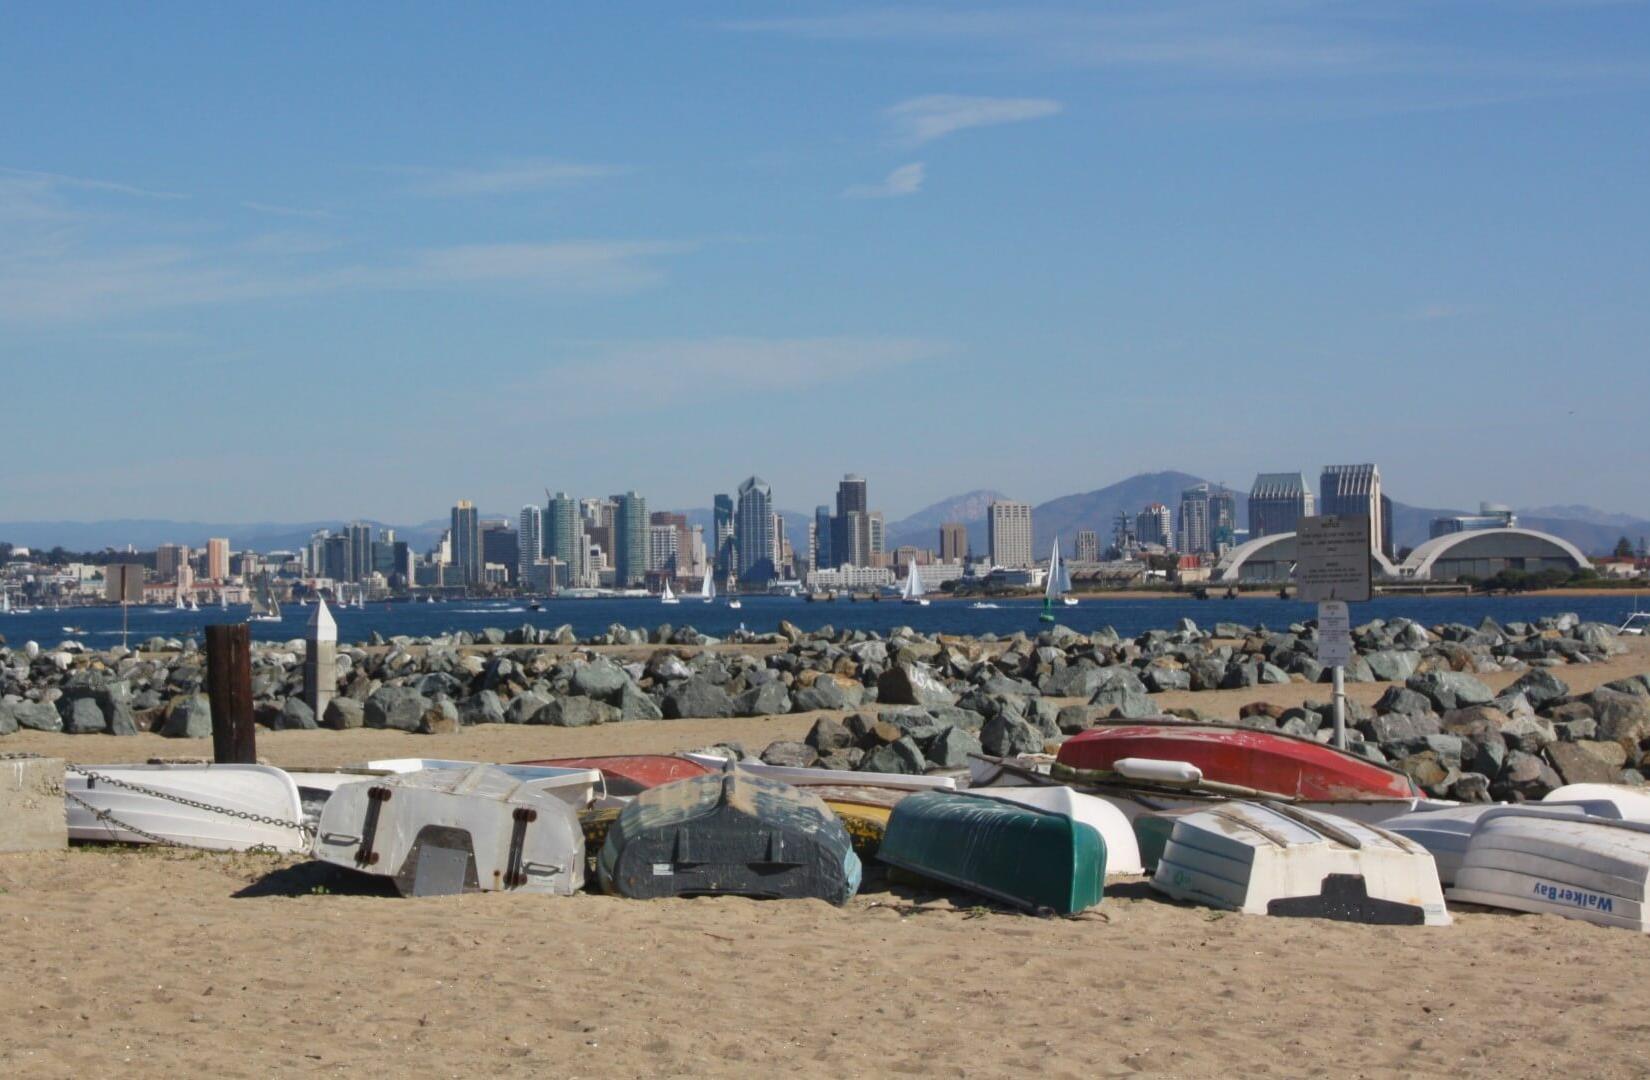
column 109, row 818
column 303, row 827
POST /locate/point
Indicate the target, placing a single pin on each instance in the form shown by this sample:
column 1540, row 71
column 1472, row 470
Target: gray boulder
column 343, row 714
column 400, row 708
column 1393, row 666
column 1004, row 736
column 1541, row 687
column 523, row 707
column 190, row 718
column 913, row 684
column 798, row 755
column 36, row 716
column 634, row 704
column 1124, row 702
column 601, row 679
column 575, row 712
column 697, row 697
column 296, row 715
column 828, row 734
column 901, row 756
column 440, row 718
column 769, row 699
column 482, row 708
column 824, row 694
column 81, row 716
column 950, row 749
column 1448, row 690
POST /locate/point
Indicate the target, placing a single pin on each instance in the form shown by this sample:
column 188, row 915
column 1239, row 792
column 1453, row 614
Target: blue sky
column 304, row 260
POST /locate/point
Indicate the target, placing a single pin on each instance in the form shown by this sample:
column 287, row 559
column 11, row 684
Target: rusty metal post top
column 323, row 628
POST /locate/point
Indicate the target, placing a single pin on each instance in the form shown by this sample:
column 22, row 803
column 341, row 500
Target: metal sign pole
column 1340, row 707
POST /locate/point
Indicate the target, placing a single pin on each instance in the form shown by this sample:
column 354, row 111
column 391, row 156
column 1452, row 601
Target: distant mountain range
column 1592, row 530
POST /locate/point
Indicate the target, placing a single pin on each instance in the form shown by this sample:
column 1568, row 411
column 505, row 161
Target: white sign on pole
column 1332, row 556
column 1334, row 633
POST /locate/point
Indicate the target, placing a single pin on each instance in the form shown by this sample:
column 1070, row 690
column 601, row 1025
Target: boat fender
column 1158, row 771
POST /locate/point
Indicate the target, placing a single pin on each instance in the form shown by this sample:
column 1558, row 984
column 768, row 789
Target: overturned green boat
column 1018, row 855
column 729, row 834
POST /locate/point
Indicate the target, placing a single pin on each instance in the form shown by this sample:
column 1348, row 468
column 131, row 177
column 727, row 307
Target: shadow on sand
column 317, row 879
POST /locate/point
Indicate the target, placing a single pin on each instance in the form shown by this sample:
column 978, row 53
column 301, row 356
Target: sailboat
column 5, row 602
column 360, row 598
column 1058, row 582
column 707, row 588
column 911, row 592
column 193, row 606
column 265, row 608
column 223, row 600
column 178, row 604
column 668, row 597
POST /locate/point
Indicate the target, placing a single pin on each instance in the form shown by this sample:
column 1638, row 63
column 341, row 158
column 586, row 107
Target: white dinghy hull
column 577, row 788
column 1273, row 859
column 1122, row 848
column 105, row 807
column 437, row 832
column 1593, row 869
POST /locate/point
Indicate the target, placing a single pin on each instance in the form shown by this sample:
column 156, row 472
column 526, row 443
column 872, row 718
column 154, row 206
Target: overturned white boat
column 1122, row 849
column 1539, row 860
column 221, row 807
column 578, row 788
column 798, row 776
column 436, row 832
column 1274, row 859
column 1447, row 831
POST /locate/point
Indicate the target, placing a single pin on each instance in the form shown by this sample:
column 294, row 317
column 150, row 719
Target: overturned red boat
column 631, row 774
column 1232, row 760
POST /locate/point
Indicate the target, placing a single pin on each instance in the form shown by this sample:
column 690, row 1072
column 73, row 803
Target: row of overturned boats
column 1231, row 818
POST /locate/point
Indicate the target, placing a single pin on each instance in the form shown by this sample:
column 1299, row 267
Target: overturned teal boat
column 1019, row 855
column 729, row 834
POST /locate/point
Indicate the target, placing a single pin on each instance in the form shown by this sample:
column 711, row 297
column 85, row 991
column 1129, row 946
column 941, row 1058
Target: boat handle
column 339, row 838
column 538, row 869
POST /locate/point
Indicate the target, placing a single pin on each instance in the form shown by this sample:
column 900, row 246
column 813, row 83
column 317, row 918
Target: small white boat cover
column 1122, row 849
column 220, row 807
column 1589, row 868
column 1630, row 803
column 1273, row 859
column 442, row 831
column 1446, row 832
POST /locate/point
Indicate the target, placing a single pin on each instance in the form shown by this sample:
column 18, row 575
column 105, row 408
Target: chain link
column 303, row 828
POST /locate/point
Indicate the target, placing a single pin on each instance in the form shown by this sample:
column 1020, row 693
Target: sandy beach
column 151, row 962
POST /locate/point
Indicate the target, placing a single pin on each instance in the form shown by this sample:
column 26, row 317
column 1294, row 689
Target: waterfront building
column 1192, row 536
column 1277, row 502
column 1356, row 490
column 876, row 543
column 1088, row 546
column 501, row 545
column 953, row 542
column 851, row 526
column 630, row 540
column 1222, row 519
column 852, row 577
column 1008, row 526
column 695, row 559
column 662, row 548
column 754, row 536
column 168, row 558
column 217, row 559
column 820, row 555
column 530, row 539
column 360, row 549
column 722, row 523
column 564, row 528
column 1489, row 516
column 336, row 558
column 465, row 535
column 1152, row 525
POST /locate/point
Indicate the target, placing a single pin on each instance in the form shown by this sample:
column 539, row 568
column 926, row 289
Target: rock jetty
column 908, row 702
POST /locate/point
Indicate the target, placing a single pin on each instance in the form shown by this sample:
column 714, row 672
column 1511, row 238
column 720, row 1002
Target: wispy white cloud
column 285, row 211
column 50, row 180
column 51, row 283
column 534, row 174
column 665, row 373
column 919, row 119
column 905, row 180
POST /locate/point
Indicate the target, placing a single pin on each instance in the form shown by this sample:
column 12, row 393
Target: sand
column 147, row 962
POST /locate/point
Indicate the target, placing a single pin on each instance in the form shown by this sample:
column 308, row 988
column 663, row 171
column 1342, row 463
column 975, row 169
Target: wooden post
column 229, row 682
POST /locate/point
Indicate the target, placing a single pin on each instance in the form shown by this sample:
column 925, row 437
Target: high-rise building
column 781, row 550
column 1088, row 546
column 754, row 538
column 851, row 526
column 1153, row 525
column 1194, row 533
column 1008, row 526
column 1125, row 536
column 630, row 540
column 876, row 539
column 722, row 524
column 360, row 550
column 1277, row 503
column 820, row 559
column 501, row 546
column 953, row 542
column 564, row 528
column 466, row 541
column 217, row 558
column 662, row 547
column 530, row 538
column 851, row 494
column 168, row 557
column 1222, row 520
column 1355, row 490
column 336, row 558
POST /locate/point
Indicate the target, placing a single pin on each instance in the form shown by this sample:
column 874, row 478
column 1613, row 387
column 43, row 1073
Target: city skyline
column 884, row 227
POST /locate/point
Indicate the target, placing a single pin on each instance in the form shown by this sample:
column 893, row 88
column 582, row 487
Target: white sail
column 707, row 590
column 5, row 603
column 913, row 584
column 1058, row 580
column 667, row 597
